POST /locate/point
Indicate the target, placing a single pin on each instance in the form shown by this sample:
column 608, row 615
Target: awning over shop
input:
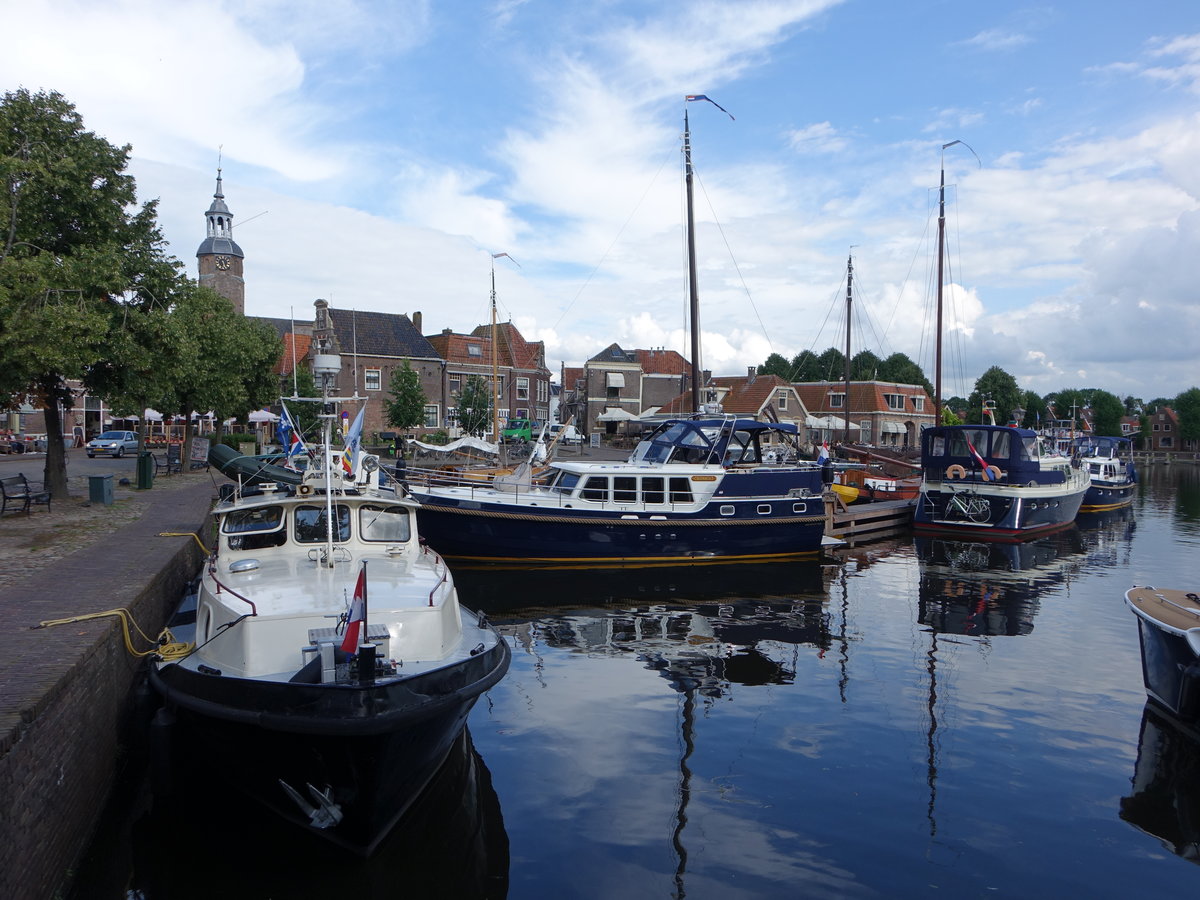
column 892, row 428
column 616, row 380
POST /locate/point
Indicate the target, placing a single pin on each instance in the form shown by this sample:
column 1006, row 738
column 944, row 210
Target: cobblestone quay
column 65, row 691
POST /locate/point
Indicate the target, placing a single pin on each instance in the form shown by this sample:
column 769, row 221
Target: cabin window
column 372, row 379
column 311, row 524
column 653, row 490
column 681, row 490
column 977, row 438
column 261, row 518
column 1031, row 447
column 1001, row 444
column 565, row 484
column 595, row 488
column 384, row 523
column 254, row 529
column 625, row 489
column 937, row 445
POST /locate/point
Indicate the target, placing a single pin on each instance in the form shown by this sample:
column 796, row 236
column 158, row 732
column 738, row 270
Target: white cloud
column 997, row 39
column 818, row 138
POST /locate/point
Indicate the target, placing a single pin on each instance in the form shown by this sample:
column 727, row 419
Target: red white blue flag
column 690, row 97
column 988, row 475
column 358, row 613
column 289, row 436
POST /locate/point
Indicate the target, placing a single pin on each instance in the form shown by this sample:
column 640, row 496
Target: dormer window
column 837, row 401
column 474, row 350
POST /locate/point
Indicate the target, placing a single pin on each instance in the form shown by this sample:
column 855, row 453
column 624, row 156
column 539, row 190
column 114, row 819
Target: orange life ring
column 996, row 473
column 956, row 471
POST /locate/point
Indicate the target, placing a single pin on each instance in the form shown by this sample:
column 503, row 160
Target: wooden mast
column 694, row 294
column 941, row 239
column 849, row 305
column 495, row 365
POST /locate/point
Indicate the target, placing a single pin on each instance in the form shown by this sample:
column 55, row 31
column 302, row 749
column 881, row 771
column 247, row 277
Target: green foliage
column 998, row 386
column 1036, row 411
column 949, row 417
column 831, row 365
column 1107, row 410
column 805, row 367
column 1187, row 407
column 235, row 439
column 474, row 406
column 776, row 365
column 404, row 406
column 865, row 366
column 1067, row 404
column 80, row 262
column 304, row 414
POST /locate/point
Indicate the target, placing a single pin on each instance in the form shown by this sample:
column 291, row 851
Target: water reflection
column 451, row 843
column 987, row 588
column 1165, row 800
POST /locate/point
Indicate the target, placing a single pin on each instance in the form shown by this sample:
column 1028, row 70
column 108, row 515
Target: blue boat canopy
column 710, row 440
column 1015, row 451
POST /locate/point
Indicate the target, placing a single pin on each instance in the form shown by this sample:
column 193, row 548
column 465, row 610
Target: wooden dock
column 869, row 521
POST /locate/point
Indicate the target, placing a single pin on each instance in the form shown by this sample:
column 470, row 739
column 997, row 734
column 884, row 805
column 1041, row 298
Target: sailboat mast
column 495, row 366
column 691, row 245
column 941, row 242
column 849, row 306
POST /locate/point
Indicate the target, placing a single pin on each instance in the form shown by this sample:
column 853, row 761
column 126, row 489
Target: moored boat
column 324, row 666
column 994, row 482
column 1169, row 633
column 694, row 489
column 1109, row 464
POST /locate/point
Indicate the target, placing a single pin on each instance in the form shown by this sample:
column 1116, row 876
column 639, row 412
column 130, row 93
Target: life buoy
column 996, row 473
column 956, row 471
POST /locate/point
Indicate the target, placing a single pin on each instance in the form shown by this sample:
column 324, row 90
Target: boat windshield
column 259, row 518
column 564, row 482
column 311, row 524
column 384, row 523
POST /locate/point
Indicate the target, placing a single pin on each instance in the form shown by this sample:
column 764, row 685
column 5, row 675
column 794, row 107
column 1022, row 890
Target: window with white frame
column 919, row 404
column 432, row 416
column 894, row 401
column 455, row 386
column 781, row 400
column 837, row 401
column 522, row 388
column 474, row 350
column 372, row 378
column 864, row 430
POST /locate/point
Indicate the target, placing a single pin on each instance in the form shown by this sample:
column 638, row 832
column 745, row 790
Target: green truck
column 517, row 430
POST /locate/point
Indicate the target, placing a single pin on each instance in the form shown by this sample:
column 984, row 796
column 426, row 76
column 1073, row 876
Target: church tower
column 220, row 256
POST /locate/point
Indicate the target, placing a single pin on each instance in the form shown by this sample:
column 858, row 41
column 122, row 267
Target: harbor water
column 912, row 718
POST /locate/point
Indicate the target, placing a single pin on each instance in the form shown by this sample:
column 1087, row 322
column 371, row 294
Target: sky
column 379, row 154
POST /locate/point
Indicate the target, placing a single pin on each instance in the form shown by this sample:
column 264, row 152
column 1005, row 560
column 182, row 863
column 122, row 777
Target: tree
column 76, row 254
column 1036, row 411
column 1107, row 410
column 405, row 406
column 805, row 367
column 831, row 365
column 1133, row 405
column 304, row 415
column 776, row 364
column 475, row 406
column 899, row 369
column 1001, row 388
column 1187, row 407
column 1067, row 404
column 864, row 366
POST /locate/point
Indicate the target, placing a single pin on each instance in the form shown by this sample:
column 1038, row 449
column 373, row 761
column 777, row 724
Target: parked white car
column 566, row 434
column 113, row 443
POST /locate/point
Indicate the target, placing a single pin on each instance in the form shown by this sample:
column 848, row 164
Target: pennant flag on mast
column 353, row 439
column 289, row 436
column 690, row 97
column 823, row 455
column 358, row 613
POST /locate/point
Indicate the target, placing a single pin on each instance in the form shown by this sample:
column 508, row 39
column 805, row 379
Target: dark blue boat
column 995, row 482
column 719, row 488
column 1109, row 464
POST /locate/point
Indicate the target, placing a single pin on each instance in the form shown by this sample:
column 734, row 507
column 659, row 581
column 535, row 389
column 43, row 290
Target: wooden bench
column 18, row 491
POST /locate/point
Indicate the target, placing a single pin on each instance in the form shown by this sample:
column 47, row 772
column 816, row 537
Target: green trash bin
column 145, row 470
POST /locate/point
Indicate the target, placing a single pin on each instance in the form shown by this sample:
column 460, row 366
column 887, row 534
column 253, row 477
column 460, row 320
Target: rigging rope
column 165, row 647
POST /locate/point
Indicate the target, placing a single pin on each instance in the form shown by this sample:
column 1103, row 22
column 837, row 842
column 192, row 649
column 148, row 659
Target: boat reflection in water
column 1165, row 800
column 451, row 842
column 988, row 588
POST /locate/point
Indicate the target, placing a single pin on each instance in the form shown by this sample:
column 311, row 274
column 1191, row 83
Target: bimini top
column 1016, row 451
column 709, row 440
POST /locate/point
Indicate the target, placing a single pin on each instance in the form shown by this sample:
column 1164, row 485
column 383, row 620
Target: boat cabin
column 1009, row 455
column 729, row 441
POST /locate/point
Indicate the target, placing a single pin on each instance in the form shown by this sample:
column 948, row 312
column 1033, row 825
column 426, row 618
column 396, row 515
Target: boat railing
column 224, row 587
column 438, row 562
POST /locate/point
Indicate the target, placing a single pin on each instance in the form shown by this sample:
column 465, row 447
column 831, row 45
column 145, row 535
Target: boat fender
column 827, row 473
column 996, row 473
column 956, row 471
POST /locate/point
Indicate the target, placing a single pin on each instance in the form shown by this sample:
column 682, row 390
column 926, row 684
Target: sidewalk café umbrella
column 615, row 414
column 262, row 415
column 153, row 415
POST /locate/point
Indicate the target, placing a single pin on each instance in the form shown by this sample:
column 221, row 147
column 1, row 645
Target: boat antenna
column 941, row 239
column 693, row 292
column 295, row 382
column 495, row 364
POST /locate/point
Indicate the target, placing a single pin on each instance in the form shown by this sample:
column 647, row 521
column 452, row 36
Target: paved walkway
column 81, row 558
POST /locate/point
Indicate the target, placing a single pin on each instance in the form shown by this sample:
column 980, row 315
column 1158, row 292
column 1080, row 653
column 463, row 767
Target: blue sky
column 377, row 153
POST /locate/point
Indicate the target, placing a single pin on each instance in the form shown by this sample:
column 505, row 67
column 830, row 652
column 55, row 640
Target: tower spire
column 220, row 258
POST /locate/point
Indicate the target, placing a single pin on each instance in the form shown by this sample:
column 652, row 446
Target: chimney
column 751, row 374
column 416, row 320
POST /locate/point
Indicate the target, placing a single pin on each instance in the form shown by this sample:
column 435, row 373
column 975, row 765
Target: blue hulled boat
column 995, row 482
column 719, row 488
column 1109, row 464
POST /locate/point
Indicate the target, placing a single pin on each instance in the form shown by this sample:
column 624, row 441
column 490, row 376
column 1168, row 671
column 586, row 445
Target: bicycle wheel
column 979, row 509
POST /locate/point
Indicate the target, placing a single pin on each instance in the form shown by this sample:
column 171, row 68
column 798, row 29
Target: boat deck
column 1176, row 609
